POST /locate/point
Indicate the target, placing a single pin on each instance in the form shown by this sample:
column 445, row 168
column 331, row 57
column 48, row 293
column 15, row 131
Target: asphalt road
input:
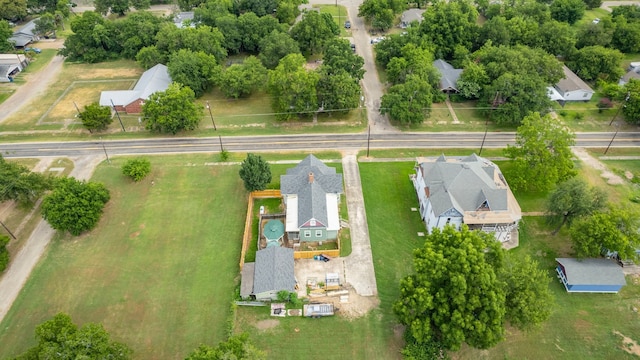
column 471, row 140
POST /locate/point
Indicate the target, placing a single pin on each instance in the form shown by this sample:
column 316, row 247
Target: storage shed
column 590, row 275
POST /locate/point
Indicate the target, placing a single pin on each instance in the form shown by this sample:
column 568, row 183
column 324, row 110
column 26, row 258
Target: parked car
column 377, row 40
column 347, row 24
column 321, row 258
column 596, row 20
column 353, row 47
column 35, row 50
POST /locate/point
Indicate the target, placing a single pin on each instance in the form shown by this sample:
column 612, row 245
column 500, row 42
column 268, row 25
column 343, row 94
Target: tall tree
column 293, row 88
column 542, row 155
column 518, row 95
column 314, row 31
column 338, row 55
column 455, row 295
column 196, row 70
column 171, row 39
column 615, row 230
column 597, row 62
column 338, row 91
column 19, row 184
column 172, row 110
column 626, row 36
column 447, row 24
column 254, row 29
column 13, row 9
column 569, row 11
column 96, row 117
column 573, row 199
column 275, row 46
column 236, row 347
column 631, row 107
column 408, row 103
column 45, row 24
column 75, row 206
column 93, row 40
column 255, row 172
column 120, row 7
column 5, row 34
column 60, row 338
column 240, row 80
column 137, row 30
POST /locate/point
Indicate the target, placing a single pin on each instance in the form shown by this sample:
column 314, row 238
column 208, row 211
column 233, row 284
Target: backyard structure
column 25, row 35
column 11, row 65
column 410, row 16
column 181, row 19
column 448, row 76
column 570, row 88
column 130, row 101
column 466, row 190
column 272, row 272
column 590, row 275
column 633, row 72
column 311, row 194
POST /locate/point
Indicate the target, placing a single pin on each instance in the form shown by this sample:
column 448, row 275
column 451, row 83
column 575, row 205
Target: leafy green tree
column 188, row 5
column 93, row 40
column 5, row 34
column 592, row 4
column 19, row 184
column 288, row 10
column 448, row 24
column 568, row 11
column 519, row 59
column 518, row 95
column 592, row 34
column 4, row 253
column 380, row 13
column 255, row 172
column 597, row 62
column 120, row 7
column 472, row 80
column 615, row 230
column 45, row 24
column 339, row 56
column 254, row 29
column 197, row 70
column 415, row 61
column 60, row 338
column 136, row 169
column 171, row 39
column 572, row 199
column 74, row 206
column 13, row 9
column 96, row 117
column 542, row 155
column 208, row 12
column 626, row 36
column 237, row 347
column 389, row 48
column 629, row 12
column 314, row 31
column 293, row 88
column 496, row 30
column 240, row 80
column 526, row 281
column 408, row 103
column 455, row 295
column 338, row 91
column 631, row 107
column 136, row 31
column 276, row 46
column 557, row 38
column 229, row 27
column 172, row 110
column 148, row 56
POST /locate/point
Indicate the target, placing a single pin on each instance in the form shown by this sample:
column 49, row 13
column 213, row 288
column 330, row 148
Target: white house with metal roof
column 466, row 190
column 570, row 88
column 130, row 101
column 311, row 193
column 590, row 275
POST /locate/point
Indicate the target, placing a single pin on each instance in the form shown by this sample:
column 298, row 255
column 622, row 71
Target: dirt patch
column 628, row 174
column 581, row 325
column 629, row 345
column 107, row 74
column 82, row 94
column 134, row 234
column 267, row 324
column 590, row 161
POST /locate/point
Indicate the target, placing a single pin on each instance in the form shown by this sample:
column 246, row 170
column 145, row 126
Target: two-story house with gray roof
column 466, row 190
column 311, row 193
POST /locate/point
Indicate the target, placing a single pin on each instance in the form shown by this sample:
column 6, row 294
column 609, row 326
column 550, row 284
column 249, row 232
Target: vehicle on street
column 347, row 24
column 35, row 50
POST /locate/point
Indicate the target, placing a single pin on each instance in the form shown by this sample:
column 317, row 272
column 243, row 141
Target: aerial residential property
column 130, row 101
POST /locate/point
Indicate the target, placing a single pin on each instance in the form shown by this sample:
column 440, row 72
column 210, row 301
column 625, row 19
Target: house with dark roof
column 410, row 16
column 570, row 88
column 466, row 190
column 311, row 193
column 633, row 72
column 590, row 275
column 25, row 35
column 448, row 76
column 272, row 272
column 130, row 101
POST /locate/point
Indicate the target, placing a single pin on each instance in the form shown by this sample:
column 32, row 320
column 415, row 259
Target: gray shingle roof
column 448, row 75
column 153, row 80
column 592, row 272
column 4, row 70
column 571, row 82
column 312, row 199
column 412, row 15
column 463, row 185
column 274, row 270
column 246, row 281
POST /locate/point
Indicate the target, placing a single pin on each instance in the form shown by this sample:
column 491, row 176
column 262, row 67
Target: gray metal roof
column 463, row 184
column 4, row 70
column 412, row 15
column 592, row 272
column 571, row 82
column 311, row 180
column 448, row 75
column 28, row 28
column 274, row 270
column 20, row 40
column 153, row 80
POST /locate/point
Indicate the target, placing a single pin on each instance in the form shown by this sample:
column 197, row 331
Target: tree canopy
column 4, row 253
column 631, row 107
column 75, row 206
column 314, row 31
column 172, row 110
column 197, row 70
column 96, row 117
column 255, row 172
column 120, row 7
column 275, row 46
column 19, row 184
column 542, row 154
column 597, row 62
column 136, row 169
column 447, row 24
column 237, row 347
column 573, row 199
column 293, row 88
column 240, row 80
column 568, row 11
column 13, row 9
column 409, row 102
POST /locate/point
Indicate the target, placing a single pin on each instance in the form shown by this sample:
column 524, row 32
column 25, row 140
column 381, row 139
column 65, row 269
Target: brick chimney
column 310, row 178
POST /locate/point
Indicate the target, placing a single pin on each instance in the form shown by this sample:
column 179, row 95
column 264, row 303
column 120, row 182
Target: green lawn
column 340, row 15
column 159, row 271
column 39, row 61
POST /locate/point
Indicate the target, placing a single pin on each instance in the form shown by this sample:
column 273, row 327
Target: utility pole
column 105, row 151
column 211, row 115
column 486, row 123
column 9, row 231
column 78, row 110
column 368, row 138
column 221, row 148
column 118, row 115
column 620, row 108
column 613, row 138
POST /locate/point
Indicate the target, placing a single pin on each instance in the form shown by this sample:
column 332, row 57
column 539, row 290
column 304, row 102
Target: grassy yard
column 413, row 153
column 159, row 271
column 340, row 15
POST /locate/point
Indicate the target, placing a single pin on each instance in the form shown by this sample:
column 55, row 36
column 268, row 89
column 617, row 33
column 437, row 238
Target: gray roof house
column 311, row 193
column 25, row 35
column 153, row 80
column 571, row 88
column 179, row 19
column 466, row 190
column 272, row 272
column 632, row 73
column 448, row 75
column 590, row 275
column 410, row 16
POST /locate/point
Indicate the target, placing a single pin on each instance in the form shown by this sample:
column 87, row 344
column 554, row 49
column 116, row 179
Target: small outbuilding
column 272, row 272
column 273, row 231
column 590, row 275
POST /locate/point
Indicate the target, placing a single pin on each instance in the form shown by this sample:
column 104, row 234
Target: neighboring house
column 8, row 72
column 570, row 88
column 410, row 16
column 466, row 190
column 311, row 193
column 25, row 36
column 632, row 73
column 183, row 18
column 590, row 275
column 11, row 65
column 448, row 76
column 272, row 272
column 130, row 101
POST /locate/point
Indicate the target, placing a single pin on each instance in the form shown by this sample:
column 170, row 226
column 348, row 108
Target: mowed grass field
column 158, row 272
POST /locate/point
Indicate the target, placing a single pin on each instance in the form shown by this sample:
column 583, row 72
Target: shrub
column 136, row 169
column 604, row 103
column 4, row 254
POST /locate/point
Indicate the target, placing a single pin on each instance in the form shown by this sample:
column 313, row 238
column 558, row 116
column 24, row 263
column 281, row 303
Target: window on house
column 585, row 95
column 307, row 233
column 318, row 233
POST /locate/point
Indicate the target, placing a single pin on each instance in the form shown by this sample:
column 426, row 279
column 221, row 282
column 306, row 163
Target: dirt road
column 607, row 5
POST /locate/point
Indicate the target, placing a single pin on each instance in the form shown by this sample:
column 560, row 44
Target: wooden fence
column 334, row 253
column 246, row 237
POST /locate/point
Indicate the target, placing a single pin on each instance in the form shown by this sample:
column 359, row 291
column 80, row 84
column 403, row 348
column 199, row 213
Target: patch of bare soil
column 628, row 174
column 589, row 160
column 107, row 74
column 628, row 344
column 357, row 305
column 267, row 324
